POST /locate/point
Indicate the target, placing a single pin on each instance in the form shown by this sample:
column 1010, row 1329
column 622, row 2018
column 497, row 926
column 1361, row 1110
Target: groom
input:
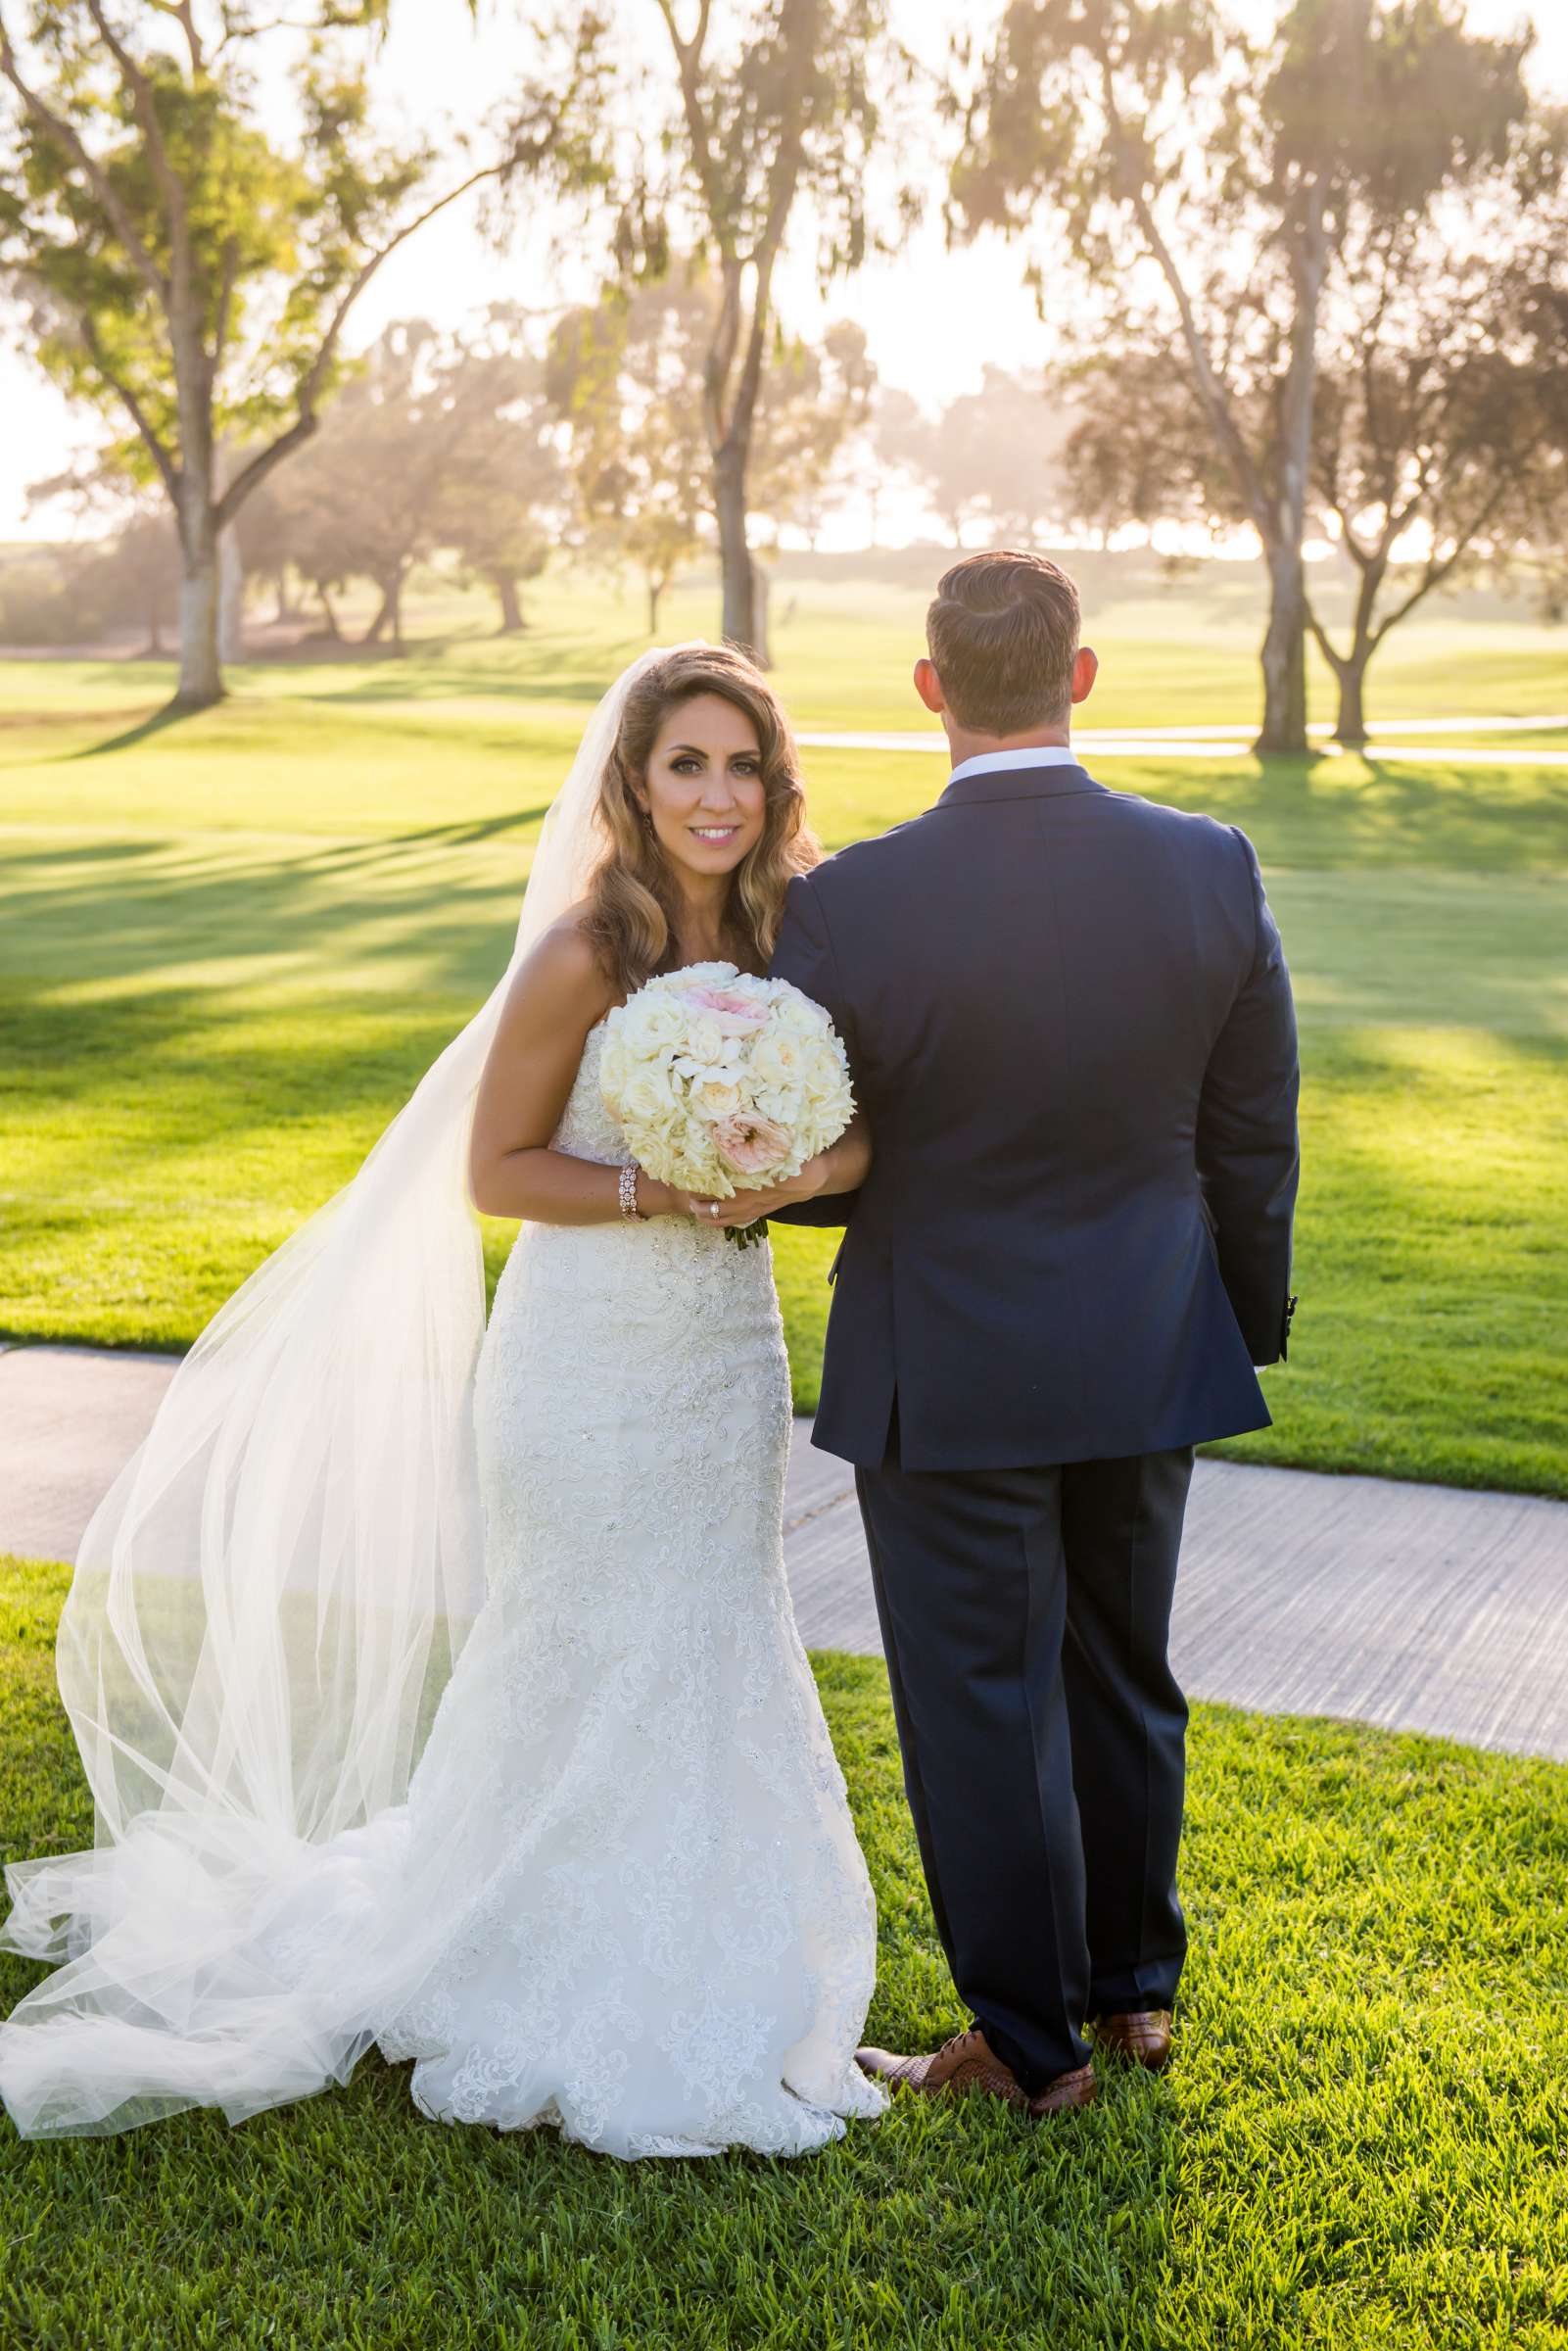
column 1071, row 1032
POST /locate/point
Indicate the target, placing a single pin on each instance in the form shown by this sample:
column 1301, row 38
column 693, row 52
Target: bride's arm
column 842, row 1168
column 558, row 995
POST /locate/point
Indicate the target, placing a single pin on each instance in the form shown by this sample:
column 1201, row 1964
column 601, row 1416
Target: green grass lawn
column 230, row 945
column 1363, row 2143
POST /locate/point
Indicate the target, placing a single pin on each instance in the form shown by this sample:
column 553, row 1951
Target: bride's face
column 703, row 787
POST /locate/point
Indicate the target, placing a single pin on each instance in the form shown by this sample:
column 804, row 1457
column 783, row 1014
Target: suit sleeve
column 1249, row 1158
column 804, row 956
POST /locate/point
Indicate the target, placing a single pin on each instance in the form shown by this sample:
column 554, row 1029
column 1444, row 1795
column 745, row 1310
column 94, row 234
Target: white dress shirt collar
column 1044, row 755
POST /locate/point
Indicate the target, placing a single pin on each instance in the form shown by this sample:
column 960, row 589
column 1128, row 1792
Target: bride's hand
column 657, row 1199
column 748, row 1208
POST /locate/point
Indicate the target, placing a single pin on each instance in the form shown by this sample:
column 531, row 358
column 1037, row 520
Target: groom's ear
column 1085, row 669
column 929, row 686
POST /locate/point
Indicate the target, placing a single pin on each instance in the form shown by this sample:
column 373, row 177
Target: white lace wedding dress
column 662, row 1932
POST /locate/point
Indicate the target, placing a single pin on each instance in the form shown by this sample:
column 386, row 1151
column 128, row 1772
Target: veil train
column 267, row 1607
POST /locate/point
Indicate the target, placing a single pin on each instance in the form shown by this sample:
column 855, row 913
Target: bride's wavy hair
column 632, row 896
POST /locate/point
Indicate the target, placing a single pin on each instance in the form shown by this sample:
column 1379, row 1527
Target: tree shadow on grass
column 413, row 898
column 540, row 668
column 157, row 722
column 1357, row 810
column 105, row 850
column 458, row 835
column 194, row 1075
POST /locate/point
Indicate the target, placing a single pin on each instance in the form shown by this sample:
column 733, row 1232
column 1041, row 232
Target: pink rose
column 734, row 1015
column 749, row 1144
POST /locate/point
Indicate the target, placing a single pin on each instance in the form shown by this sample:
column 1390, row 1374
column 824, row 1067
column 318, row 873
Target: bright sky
column 933, row 318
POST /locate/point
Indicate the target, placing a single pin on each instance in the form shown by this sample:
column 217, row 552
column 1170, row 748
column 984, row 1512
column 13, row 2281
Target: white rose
column 654, row 1019
column 716, row 1095
column 784, row 1104
column 796, row 1015
column 657, row 1155
column 697, row 1167
column 826, row 1084
column 704, row 1039
column 723, row 1068
column 778, row 1057
column 644, row 1096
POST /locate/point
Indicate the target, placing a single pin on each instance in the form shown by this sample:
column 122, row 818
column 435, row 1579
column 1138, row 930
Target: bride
column 446, row 1696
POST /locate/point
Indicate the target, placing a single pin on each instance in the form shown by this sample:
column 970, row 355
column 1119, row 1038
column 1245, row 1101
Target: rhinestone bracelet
column 628, row 1207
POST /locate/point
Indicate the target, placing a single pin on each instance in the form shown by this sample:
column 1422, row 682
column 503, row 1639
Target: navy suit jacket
column 1070, row 1027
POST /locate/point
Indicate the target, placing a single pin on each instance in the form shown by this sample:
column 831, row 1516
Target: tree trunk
column 1285, row 645
column 1351, row 726
column 761, row 606
column 656, row 590
column 230, row 598
column 200, row 668
column 390, row 615
column 736, row 567
column 195, row 493
column 1351, row 668
column 1285, row 655
column 511, row 605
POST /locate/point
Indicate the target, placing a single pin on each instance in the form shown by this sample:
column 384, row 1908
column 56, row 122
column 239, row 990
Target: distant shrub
column 78, row 592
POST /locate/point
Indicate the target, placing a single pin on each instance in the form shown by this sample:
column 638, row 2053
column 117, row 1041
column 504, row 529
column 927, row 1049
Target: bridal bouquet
column 724, row 1083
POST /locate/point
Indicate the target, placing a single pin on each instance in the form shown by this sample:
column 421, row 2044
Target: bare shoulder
column 560, row 979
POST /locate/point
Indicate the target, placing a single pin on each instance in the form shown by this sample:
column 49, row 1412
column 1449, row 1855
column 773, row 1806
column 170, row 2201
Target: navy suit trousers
column 1024, row 1616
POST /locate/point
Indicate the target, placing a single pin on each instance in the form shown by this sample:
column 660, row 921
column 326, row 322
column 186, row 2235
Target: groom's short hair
column 1003, row 633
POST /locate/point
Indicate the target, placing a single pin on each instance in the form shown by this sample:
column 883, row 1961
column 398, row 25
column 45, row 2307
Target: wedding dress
column 438, row 1685
column 662, row 1930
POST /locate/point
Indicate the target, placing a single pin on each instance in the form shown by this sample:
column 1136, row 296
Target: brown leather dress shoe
column 1140, row 2035
column 968, row 2062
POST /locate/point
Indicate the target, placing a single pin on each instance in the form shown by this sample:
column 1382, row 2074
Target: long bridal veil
column 266, row 1607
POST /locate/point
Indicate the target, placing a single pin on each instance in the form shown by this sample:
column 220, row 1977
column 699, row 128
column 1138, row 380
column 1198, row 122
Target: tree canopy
column 1202, row 187
column 189, row 272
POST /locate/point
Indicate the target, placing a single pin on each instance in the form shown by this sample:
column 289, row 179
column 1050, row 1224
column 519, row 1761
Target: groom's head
column 1004, row 662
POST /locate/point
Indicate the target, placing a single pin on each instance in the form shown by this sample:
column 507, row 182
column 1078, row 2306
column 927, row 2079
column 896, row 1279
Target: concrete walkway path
column 1418, row 1607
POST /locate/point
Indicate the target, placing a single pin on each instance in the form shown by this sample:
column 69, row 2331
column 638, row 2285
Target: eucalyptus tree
column 625, row 374
column 994, row 456
column 503, row 498
column 440, row 443
column 778, row 106
column 1440, row 436
column 625, row 377
column 817, row 396
column 126, row 572
column 189, row 269
column 888, row 451
column 1196, row 188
